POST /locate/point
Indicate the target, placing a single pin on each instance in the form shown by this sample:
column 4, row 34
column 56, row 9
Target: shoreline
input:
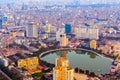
column 75, row 49
column 102, row 56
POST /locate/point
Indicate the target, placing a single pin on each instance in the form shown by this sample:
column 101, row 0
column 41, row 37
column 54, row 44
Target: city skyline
column 38, row 39
column 68, row 1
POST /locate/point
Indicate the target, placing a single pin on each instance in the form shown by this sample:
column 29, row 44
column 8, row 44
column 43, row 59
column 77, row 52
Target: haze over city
column 68, row 1
column 59, row 39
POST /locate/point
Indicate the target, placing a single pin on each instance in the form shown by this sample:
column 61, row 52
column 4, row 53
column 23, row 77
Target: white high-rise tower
column 32, row 30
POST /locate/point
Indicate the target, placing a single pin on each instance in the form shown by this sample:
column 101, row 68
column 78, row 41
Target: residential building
column 32, row 30
column 87, row 33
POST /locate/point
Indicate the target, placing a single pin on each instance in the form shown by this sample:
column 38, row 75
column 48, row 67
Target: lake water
column 81, row 59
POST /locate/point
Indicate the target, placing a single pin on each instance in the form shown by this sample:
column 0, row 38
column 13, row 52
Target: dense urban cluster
column 28, row 31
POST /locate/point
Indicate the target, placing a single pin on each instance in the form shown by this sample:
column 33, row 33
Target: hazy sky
column 67, row 1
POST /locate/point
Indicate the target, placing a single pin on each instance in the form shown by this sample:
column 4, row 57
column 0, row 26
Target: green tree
column 92, row 74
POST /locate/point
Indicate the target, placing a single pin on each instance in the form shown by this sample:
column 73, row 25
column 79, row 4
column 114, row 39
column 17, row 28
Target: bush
column 92, row 74
column 37, row 74
column 76, row 69
column 87, row 72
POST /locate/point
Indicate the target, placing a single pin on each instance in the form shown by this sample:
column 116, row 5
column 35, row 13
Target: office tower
column 58, row 33
column 62, row 70
column 0, row 24
column 63, row 40
column 68, row 28
column 32, row 30
column 87, row 33
column 93, row 44
column 48, row 30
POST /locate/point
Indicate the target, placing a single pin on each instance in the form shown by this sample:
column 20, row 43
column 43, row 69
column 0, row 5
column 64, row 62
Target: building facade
column 48, row 28
column 58, row 33
column 93, row 44
column 0, row 24
column 63, row 40
column 87, row 33
column 68, row 28
column 32, row 30
column 63, row 71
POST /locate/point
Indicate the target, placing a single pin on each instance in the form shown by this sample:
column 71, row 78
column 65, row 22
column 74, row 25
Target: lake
column 81, row 59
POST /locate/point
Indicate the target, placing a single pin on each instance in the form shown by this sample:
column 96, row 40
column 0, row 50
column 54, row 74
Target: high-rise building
column 48, row 28
column 32, row 30
column 58, row 33
column 63, row 40
column 63, row 71
column 0, row 24
column 87, row 33
column 68, row 28
column 93, row 44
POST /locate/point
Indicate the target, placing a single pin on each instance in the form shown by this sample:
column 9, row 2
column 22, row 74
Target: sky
column 68, row 1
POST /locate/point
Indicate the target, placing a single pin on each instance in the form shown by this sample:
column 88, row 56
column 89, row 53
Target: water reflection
column 82, row 59
column 63, row 53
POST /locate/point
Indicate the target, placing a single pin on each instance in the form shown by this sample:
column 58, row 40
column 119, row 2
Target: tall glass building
column 68, row 28
column 0, row 24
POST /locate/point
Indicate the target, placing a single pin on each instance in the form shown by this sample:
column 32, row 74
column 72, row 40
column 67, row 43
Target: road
column 8, row 78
